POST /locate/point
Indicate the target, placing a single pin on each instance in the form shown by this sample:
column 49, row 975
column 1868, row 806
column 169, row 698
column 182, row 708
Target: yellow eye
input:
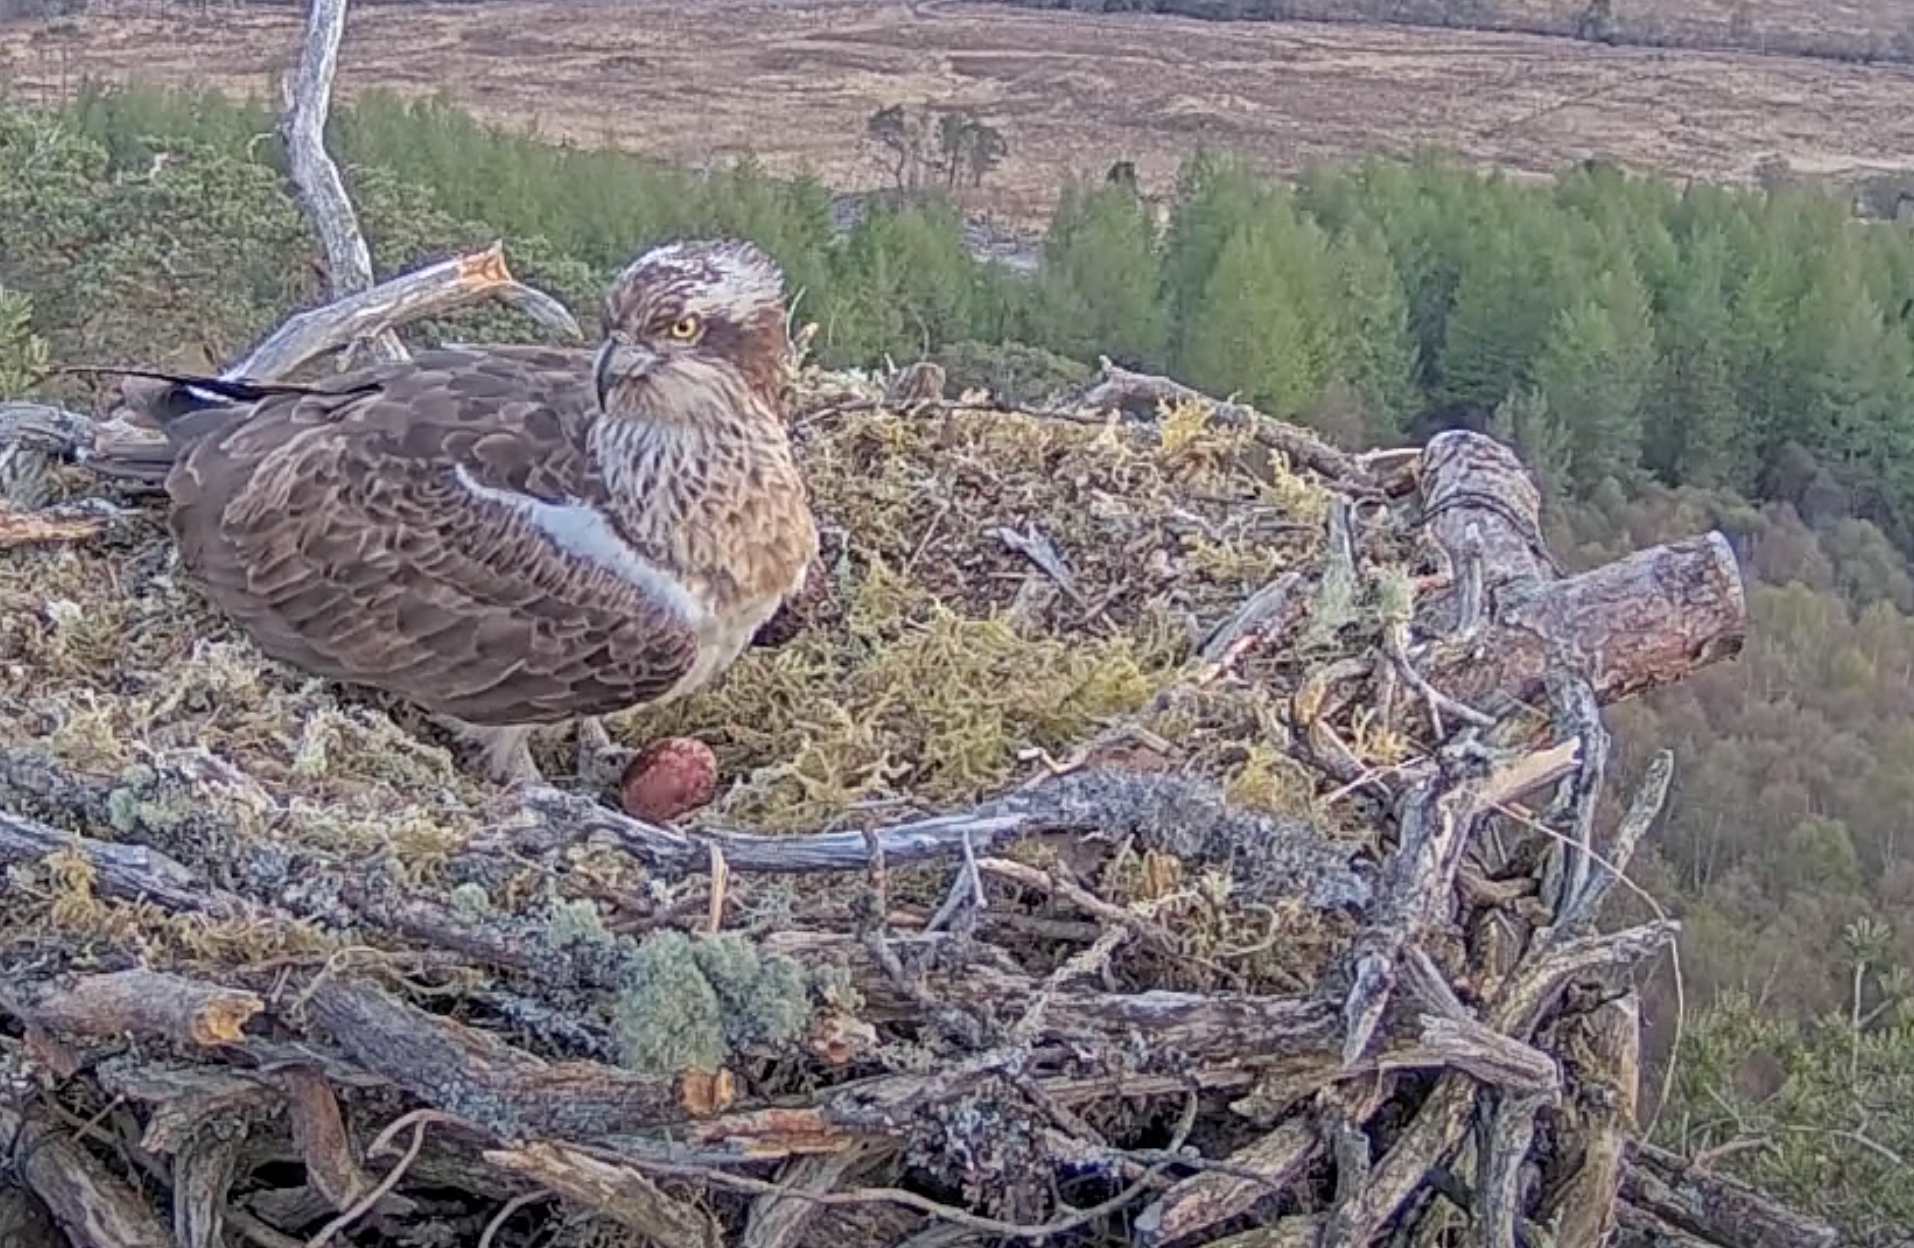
column 685, row 328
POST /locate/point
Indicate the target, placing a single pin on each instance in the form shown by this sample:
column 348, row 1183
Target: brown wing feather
column 332, row 528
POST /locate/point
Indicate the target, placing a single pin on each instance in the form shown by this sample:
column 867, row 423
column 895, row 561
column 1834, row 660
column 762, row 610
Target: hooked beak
column 616, row 361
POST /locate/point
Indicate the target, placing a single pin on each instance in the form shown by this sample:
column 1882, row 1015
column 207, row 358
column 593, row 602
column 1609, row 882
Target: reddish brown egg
column 669, row 778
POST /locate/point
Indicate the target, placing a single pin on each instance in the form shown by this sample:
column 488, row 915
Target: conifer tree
column 1594, row 372
column 1216, row 196
column 1379, row 355
column 1431, row 211
column 1503, row 306
column 1856, row 387
column 1695, row 430
column 1266, row 328
column 1097, row 292
column 903, row 288
column 1762, row 312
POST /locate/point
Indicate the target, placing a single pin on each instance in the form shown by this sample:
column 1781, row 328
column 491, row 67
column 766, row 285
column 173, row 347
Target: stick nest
column 1089, row 855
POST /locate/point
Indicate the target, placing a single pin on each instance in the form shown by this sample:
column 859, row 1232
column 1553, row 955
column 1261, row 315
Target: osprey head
column 690, row 314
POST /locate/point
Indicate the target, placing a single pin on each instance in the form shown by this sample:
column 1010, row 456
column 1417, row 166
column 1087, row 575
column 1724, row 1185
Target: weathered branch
column 181, row 1011
column 619, row 1192
column 361, row 312
column 1644, row 621
column 781, row 1219
column 478, row 1077
column 1119, row 388
column 130, row 872
column 182, row 1099
column 53, row 525
column 1604, row 1117
column 1715, row 1208
column 1275, row 1161
column 321, row 191
column 319, row 1133
column 375, row 311
column 1180, row 815
column 32, row 437
column 202, row 1176
column 91, row 1204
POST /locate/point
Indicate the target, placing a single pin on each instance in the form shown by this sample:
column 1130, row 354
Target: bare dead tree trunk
column 321, row 190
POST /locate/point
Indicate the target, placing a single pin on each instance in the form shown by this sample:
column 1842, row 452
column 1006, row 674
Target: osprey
column 511, row 537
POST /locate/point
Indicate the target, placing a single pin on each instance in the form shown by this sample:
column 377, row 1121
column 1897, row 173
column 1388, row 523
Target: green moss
column 951, row 657
column 944, row 665
column 470, row 901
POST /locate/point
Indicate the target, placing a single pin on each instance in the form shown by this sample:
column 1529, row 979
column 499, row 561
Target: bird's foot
column 601, row 762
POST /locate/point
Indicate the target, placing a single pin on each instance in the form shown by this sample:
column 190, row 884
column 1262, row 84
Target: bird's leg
column 504, row 754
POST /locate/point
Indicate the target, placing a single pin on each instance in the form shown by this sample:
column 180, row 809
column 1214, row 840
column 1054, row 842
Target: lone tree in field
column 951, row 148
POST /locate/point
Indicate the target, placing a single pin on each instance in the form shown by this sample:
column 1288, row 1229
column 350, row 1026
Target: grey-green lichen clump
column 693, row 1001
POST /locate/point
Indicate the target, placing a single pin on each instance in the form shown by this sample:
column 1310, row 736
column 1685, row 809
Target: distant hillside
column 1883, row 33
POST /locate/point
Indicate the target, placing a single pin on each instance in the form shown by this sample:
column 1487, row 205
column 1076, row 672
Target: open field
column 793, row 81
column 1846, row 30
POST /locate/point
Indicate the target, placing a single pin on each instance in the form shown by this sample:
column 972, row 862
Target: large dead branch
column 370, row 313
column 34, row 438
column 321, row 191
column 1647, row 620
column 1122, row 389
column 373, row 312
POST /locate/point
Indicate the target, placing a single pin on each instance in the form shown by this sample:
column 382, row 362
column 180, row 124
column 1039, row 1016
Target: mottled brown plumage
column 515, row 536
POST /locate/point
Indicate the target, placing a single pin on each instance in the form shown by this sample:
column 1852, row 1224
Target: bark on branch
column 1644, row 621
column 373, row 312
column 1122, row 389
column 91, row 1204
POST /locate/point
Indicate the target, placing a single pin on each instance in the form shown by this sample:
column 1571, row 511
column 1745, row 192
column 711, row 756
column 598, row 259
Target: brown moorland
column 794, row 80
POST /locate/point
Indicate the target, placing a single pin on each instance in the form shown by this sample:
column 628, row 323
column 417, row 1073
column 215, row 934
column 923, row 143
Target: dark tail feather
column 183, row 406
column 186, row 393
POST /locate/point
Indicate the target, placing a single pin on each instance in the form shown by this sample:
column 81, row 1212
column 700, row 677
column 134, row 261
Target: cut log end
column 486, row 270
column 1642, row 622
column 150, row 1003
